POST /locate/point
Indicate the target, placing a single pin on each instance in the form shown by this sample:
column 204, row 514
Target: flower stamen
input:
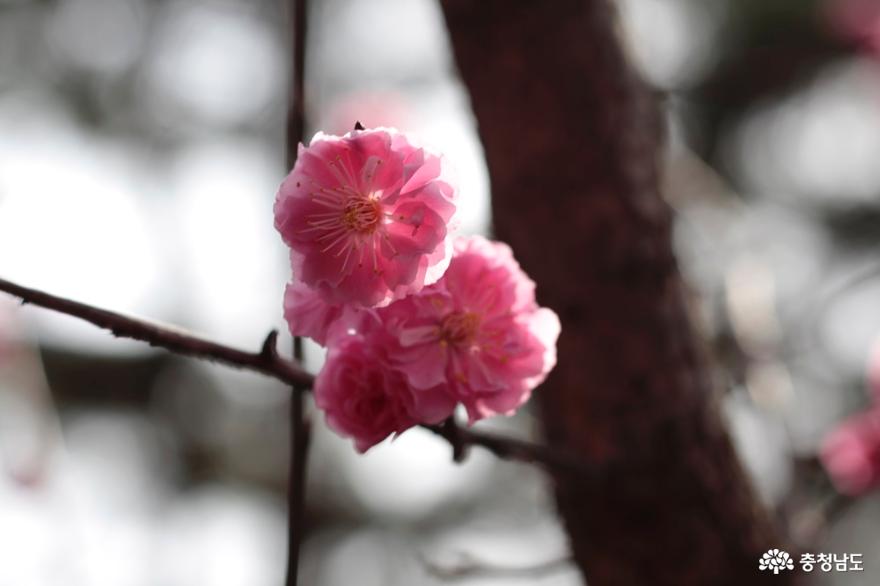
column 362, row 214
column 459, row 328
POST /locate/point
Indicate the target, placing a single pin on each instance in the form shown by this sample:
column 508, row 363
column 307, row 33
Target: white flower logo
column 775, row 560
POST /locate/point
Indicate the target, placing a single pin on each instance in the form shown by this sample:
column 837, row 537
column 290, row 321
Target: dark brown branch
column 296, row 111
column 300, row 430
column 508, row 448
column 268, row 362
column 300, row 438
column 562, row 115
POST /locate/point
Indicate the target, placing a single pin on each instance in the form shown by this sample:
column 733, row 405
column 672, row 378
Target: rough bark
column 572, row 139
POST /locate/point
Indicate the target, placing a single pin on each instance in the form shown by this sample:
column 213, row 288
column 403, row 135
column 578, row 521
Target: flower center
column 362, row 214
column 459, row 328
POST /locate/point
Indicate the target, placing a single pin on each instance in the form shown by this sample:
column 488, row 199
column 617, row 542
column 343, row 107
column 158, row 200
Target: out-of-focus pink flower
column 366, row 216
column 365, row 399
column 858, row 20
column 477, row 331
column 851, row 453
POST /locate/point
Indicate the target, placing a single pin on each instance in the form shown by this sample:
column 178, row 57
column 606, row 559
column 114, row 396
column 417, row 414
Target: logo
column 775, row 560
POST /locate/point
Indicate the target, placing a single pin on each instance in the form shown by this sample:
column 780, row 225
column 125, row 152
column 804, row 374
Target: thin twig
column 171, row 338
column 300, row 430
column 508, row 448
column 300, row 436
column 296, row 109
column 267, row 361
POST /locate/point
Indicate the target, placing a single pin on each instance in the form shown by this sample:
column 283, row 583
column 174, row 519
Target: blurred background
column 141, row 145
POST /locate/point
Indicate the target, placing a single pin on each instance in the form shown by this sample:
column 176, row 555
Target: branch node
column 269, row 350
column 454, row 436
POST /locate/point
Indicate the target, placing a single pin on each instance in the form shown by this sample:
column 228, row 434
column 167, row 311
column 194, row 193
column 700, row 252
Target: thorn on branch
column 269, row 350
column 453, row 435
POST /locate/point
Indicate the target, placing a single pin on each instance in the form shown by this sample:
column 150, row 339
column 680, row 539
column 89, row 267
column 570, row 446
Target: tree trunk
column 572, row 140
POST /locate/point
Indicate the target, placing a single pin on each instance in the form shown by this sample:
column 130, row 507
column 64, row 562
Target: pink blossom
column 367, row 400
column 478, row 331
column 366, row 216
column 307, row 314
column 851, row 453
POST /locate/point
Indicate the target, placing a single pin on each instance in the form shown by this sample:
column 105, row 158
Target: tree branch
column 296, row 110
column 300, row 430
column 300, row 438
column 508, row 448
column 268, row 362
column 562, row 113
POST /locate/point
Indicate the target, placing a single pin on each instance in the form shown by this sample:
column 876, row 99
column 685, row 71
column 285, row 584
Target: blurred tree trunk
column 572, row 140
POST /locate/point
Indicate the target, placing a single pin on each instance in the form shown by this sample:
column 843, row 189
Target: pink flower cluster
column 851, row 452
column 414, row 322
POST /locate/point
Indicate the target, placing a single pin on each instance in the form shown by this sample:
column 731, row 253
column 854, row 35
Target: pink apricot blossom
column 366, row 216
column 851, row 453
column 308, row 315
column 478, row 331
column 364, row 398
